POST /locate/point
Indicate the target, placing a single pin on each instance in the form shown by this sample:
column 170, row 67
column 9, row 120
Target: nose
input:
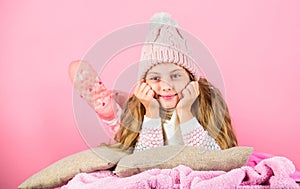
column 165, row 86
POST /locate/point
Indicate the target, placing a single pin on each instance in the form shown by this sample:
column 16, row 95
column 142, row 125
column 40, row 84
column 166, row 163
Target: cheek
column 154, row 87
column 179, row 87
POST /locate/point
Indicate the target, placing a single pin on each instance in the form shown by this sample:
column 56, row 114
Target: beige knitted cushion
column 60, row 172
column 197, row 158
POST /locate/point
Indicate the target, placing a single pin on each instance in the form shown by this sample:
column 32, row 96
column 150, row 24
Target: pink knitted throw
column 271, row 173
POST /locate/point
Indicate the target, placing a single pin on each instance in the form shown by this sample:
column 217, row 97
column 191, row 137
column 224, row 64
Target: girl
column 171, row 104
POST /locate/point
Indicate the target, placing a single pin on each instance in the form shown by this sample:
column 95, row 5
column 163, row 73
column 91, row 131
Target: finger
column 195, row 88
column 142, row 93
column 146, row 90
column 137, row 88
column 196, row 84
column 185, row 92
column 190, row 89
column 151, row 93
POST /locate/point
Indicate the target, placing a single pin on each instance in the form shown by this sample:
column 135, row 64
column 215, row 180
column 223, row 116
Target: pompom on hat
column 165, row 44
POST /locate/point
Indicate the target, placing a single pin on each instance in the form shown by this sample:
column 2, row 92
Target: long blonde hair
column 210, row 109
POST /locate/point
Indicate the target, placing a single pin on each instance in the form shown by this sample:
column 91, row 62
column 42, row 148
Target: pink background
column 255, row 43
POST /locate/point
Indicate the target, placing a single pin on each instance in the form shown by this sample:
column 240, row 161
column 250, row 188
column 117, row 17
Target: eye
column 175, row 76
column 154, row 78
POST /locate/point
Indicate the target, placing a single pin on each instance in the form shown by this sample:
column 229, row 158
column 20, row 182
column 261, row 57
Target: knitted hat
column 165, row 44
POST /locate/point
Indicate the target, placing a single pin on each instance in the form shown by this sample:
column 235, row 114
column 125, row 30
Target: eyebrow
column 180, row 70
column 154, row 73
column 170, row 71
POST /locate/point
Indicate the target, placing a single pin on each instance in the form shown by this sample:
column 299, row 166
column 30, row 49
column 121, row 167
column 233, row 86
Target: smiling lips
column 168, row 97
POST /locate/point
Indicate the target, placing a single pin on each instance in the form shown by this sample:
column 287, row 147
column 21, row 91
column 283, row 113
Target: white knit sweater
column 189, row 133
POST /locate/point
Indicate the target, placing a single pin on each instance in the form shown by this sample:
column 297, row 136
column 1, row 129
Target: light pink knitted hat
column 165, row 44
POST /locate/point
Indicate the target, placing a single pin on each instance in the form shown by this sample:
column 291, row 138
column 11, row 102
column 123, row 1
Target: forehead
column 165, row 68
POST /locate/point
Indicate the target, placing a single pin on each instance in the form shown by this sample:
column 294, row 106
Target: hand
column 189, row 94
column 146, row 95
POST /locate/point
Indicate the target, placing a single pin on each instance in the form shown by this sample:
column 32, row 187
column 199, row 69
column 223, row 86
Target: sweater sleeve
column 151, row 134
column 194, row 135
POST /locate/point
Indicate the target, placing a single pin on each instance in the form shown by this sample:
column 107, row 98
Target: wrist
column 152, row 113
column 184, row 115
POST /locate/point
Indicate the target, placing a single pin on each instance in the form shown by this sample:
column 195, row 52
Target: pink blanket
column 257, row 157
column 273, row 172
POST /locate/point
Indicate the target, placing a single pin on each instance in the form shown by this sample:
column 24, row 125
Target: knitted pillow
column 60, row 172
column 167, row 157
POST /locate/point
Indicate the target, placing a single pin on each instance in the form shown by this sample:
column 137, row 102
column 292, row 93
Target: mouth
column 167, row 97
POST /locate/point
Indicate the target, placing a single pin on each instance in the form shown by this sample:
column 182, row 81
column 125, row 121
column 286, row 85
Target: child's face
column 167, row 80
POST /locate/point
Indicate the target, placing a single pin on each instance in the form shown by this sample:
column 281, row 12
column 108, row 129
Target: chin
column 168, row 105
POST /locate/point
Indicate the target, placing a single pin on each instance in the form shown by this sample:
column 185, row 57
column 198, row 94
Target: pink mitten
column 89, row 86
